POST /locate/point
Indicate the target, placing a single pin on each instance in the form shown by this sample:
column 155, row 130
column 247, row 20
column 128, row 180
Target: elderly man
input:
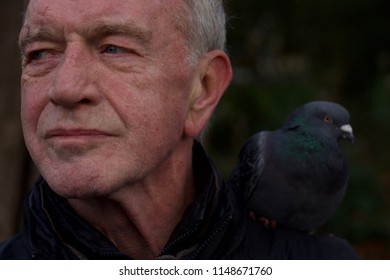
column 113, row 95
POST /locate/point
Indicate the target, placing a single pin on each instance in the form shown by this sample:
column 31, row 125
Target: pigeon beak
column 348, row 133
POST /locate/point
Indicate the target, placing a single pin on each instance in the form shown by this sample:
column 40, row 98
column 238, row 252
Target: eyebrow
column 128, row 29
column 42, row 33
column 95, row 32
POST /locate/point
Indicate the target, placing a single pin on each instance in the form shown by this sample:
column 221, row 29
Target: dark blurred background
column 284, row 53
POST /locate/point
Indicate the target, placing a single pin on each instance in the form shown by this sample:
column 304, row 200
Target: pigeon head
column 324, row 118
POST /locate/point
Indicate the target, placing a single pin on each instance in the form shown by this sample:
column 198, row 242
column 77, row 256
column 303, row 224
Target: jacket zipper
column 217, row 231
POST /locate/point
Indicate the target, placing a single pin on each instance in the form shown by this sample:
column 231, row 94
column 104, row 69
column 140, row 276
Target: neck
column 140, row 218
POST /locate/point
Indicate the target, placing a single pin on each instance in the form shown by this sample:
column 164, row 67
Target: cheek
column 31, row 105
column 154, row 119
column 152, row 103
column 169, row 111
column 33, row 101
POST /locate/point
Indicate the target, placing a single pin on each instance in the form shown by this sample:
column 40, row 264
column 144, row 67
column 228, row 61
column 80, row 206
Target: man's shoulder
column 14, row 249
column 261, row 243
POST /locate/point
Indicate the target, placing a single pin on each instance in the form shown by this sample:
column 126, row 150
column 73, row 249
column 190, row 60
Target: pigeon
column 296, row 176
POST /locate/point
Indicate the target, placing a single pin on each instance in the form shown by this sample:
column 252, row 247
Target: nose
column 74, row 81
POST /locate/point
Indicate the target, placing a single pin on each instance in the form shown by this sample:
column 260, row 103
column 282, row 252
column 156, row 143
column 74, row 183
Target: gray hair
column 202, row 23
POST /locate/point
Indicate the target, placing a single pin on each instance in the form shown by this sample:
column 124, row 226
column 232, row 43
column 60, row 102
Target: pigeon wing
column 249, row 167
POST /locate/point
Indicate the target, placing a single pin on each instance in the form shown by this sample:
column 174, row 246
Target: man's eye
column 39, row 55
column 112, row 49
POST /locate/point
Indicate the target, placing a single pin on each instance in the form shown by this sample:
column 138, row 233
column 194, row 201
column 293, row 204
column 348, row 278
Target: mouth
column 75, row 133
column 348, row 133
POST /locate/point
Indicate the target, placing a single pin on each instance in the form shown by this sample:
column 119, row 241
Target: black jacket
column 213, row 227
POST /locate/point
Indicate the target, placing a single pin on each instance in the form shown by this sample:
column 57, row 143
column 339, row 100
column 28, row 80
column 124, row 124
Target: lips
column 75, row 133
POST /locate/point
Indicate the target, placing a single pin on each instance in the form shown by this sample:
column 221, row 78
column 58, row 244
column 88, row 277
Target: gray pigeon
column 296, row 176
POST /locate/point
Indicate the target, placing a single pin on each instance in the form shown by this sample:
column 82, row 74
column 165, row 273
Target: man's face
column 105, row 91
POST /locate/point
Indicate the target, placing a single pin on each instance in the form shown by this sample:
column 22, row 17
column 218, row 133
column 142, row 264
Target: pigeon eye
column 328, row 119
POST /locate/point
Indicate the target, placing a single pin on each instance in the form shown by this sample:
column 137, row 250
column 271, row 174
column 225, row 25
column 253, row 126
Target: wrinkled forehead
column 80, row 11
column 145, row 20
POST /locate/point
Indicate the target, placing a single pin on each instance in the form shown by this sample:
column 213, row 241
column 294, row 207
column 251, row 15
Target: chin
column 81, row 188
column 76, row 179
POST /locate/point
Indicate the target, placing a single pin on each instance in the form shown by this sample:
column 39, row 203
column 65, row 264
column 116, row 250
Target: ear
column 213, row 75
